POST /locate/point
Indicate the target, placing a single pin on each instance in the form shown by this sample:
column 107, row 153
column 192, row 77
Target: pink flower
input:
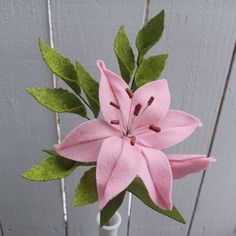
column 127, row 143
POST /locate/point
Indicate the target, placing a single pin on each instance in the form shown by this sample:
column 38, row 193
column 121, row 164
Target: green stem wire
column 85, row 102
column 137, row 65
column 133, row 81
column 132, row 84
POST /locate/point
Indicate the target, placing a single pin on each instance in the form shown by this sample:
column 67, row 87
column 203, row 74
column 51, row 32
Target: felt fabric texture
column 129, row 148
column 158, row 109
column 124, row 54
column 183, row 165
column 84, row 142
column 60, row 65
column 157, row 177
column 58, row 100
column 86, row 191
column 175, row 127
column 118, row 164
column 90, row 87
column 150, row 69
column 113, row 90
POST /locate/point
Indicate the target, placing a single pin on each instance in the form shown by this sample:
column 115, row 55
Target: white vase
column 112, row 228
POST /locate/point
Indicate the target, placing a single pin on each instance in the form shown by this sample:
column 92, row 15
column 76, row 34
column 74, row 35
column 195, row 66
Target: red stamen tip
column 150, row 101
column 137, row 109
column 133, row 140
column 155, row 128
column 115, row 105
column 129, row 92
column 115, row 122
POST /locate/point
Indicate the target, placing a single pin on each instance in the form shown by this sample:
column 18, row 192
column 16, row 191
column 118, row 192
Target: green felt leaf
column 86, row 191
column 53, row 153
column 60, row 66
column 150, row 69
column 109, row 210
column 150, row 34
column 139, row 190
column 50, row 152
column 89, row 86
column 124, row 54
column 52, row 168
column 58, row 100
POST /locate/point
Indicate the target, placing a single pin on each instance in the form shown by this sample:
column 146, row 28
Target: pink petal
column 183, row 165
column 112, row 89
column 157, row 110
column 117, row 166
column 157, row 177
column 175, row 127
column 84, row 142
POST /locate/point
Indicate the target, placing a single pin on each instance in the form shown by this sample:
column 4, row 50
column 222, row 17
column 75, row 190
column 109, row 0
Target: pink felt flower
column 127, row 143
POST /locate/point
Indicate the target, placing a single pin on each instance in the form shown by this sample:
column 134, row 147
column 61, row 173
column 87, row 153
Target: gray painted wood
column 217, row 199
column 199, row 37
column 26, row 208
column 85, row 30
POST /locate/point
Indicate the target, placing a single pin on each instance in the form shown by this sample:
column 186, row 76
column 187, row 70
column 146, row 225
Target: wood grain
column 25, row 208
column 217, row 198
column 199, row 37
column 85, row 30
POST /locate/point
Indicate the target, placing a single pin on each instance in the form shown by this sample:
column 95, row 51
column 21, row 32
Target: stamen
column 129, row 92
column 150, row 101
column 155, row 128
column 115, row 105
column 115, row 122
column 133, row 140
column 137, row 109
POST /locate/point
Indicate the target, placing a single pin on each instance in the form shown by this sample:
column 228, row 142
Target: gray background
column 200, row 39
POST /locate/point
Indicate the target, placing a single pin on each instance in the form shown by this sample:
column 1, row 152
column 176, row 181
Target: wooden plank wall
column 200, row 39
column 25, row 208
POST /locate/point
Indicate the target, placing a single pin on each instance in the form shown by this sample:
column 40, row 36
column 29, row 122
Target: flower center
column 133, row 117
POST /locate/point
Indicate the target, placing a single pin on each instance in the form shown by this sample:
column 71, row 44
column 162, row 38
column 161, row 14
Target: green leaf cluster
column 60, row 66
column 89, row 86
column 124, row 54
column 86, row 193
column 149, row 69
column 52, row 168
column 150, row 34
column 112, row 206
column 140, row 72
column 58, row 100
column 76, row 77
column 139, row 190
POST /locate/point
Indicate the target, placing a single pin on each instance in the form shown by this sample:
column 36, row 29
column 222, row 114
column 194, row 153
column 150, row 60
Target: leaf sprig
column 138, row 73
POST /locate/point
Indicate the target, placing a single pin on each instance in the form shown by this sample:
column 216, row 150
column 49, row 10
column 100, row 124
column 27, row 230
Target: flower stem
column 132, row 84
column 85, row 102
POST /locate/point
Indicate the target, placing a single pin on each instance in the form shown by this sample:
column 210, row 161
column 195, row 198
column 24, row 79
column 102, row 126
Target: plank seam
column 145, row 20
column 213, row 135
column 146, row 11
column 57, row 116
column 1, row 229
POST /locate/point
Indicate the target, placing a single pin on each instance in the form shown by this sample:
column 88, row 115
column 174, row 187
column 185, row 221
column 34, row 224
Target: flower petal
column 175, row 127
column 183, row 165
column 117, row 166
column 84, row 146
column 113, row 89
column 157, row 110
column 157, row 177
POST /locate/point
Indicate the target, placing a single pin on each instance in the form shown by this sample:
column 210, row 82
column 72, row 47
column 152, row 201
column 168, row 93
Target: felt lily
column 127, row 143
